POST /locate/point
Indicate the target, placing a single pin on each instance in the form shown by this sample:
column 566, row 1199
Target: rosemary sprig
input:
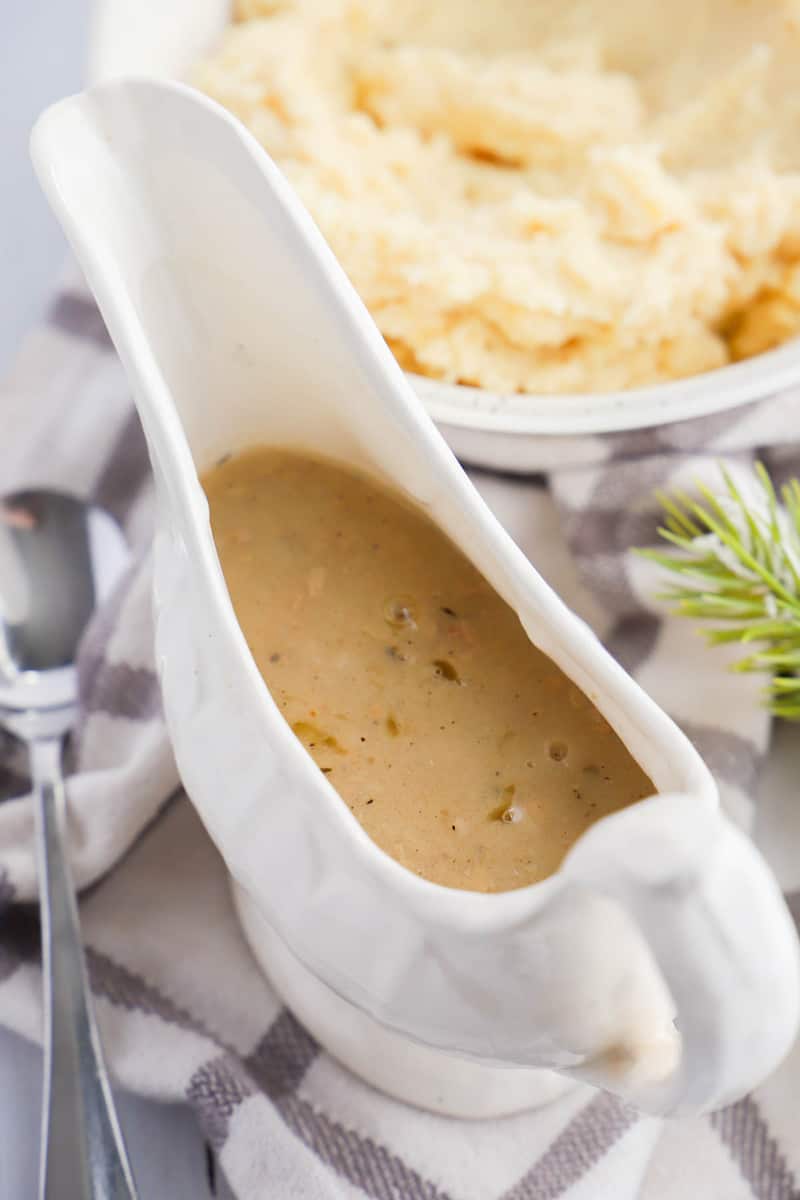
column 736, row 562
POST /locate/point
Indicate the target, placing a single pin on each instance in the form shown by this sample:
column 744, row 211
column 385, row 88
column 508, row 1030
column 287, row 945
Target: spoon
column 59, row 558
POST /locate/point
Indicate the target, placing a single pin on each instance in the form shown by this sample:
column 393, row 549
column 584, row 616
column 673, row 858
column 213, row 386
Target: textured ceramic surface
column 236, row 326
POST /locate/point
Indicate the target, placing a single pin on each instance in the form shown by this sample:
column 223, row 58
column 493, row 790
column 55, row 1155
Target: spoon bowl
column 59, row 560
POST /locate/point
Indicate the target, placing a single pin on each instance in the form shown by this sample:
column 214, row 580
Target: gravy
column 463, row 751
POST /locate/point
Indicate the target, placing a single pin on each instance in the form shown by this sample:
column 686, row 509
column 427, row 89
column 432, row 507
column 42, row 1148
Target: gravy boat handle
column 720, row 932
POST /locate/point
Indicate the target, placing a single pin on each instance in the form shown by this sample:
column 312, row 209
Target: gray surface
column 42, row 45
column 167, row 1155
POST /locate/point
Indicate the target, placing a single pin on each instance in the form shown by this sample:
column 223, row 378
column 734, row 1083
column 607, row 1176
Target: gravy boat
column 659, row 962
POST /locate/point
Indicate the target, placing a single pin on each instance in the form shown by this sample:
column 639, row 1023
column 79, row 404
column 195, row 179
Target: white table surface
column 41, row 56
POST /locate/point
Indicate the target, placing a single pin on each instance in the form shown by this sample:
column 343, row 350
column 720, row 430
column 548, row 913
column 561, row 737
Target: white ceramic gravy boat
column 236, row 327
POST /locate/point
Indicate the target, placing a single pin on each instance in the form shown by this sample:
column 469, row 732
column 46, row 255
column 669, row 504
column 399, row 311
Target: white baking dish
column 162, row 38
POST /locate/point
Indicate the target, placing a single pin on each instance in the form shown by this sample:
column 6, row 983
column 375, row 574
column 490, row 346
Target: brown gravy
column 464, row 752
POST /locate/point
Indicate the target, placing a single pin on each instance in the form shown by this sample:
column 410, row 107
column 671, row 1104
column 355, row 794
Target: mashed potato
column 541, row 195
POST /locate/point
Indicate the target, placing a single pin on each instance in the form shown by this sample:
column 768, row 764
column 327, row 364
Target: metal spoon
column 58, row 559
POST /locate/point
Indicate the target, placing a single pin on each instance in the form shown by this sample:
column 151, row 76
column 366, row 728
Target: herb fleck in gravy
column 464, row 752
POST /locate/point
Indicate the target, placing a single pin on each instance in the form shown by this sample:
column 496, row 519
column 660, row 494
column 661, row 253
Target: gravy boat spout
column 237, row 327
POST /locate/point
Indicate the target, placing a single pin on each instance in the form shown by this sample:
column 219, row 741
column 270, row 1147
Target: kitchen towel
column 184, row 1013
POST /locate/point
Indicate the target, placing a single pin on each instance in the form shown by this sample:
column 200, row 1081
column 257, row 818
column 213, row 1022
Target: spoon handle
column 83, row 1154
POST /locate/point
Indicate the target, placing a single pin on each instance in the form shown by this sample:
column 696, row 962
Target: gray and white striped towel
column 183, row 1011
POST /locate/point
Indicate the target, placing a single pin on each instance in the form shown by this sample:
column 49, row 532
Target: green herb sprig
column 737, row 563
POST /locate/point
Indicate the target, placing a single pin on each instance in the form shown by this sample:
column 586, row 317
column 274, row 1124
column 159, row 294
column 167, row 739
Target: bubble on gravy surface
column 464, row 752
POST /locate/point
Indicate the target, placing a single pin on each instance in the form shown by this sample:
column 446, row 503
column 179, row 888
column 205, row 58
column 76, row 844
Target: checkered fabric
column 183, row 1011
